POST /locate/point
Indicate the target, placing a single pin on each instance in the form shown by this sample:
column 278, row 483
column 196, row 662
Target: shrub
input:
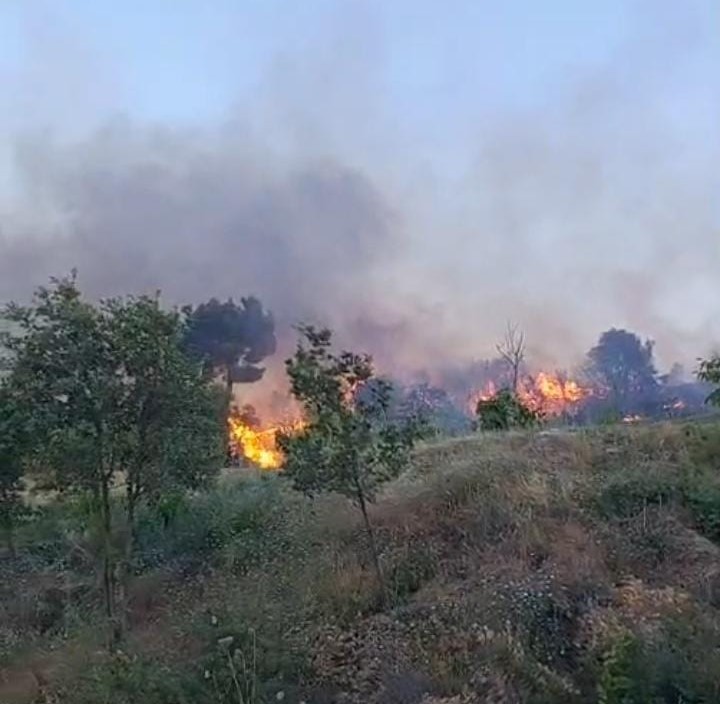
column 624, row 495
column 415, row 566
column 677, row 662
column 242, row 522
column 702, row 496
column 125, row 679
column 505, row 410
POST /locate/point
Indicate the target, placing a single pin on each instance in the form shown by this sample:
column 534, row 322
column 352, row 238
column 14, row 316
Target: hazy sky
column 414, row 173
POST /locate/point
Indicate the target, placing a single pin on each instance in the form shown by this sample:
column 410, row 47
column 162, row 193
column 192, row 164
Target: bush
column 676, row 662
column 414, row 567
column 242, row 523
column 624, row 495
column 702, row 496
column 505, row 410
column 128, row 680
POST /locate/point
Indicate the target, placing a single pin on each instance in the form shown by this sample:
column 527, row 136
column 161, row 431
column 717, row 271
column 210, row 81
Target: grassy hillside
column 542, row 568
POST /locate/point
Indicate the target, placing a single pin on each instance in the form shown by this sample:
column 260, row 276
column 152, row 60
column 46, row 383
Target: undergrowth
column 526, row 567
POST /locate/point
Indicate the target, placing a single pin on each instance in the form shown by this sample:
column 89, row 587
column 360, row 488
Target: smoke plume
column 594, row 207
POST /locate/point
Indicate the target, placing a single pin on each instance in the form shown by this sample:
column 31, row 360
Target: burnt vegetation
column 398, row 556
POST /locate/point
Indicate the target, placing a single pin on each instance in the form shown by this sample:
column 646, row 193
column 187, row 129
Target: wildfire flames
column 547, row 393
column 258, row 445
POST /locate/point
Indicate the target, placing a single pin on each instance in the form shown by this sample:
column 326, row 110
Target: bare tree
column 512, row 351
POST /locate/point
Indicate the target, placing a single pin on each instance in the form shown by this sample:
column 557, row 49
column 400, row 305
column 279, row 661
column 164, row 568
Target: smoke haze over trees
column 622, row 365
column 588, row 206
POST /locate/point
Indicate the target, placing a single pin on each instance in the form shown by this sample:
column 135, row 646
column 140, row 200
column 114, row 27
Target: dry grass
column 512, row 560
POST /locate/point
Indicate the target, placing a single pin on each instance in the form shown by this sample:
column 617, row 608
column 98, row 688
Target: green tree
column 114, row 403
column 13, row 447
column 348, row 444
column 230, row 338
column 709, row 372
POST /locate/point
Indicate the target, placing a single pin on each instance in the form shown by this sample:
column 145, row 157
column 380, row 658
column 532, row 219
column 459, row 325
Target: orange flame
column 551, row 394
column 259, row 446
column 547, row 393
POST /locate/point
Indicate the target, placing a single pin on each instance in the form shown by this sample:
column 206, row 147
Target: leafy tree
column 505, row 410
column 13, row 439
column 348, row 443
column 113, row 401
column 231, row 339
column 621, row 365
column 709, row 372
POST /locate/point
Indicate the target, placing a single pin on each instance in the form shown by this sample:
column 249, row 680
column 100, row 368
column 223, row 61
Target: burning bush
column 505, row 410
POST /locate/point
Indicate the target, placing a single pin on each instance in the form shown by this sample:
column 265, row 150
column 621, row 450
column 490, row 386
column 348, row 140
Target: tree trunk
column 371, row 541
column 229, row 382
column 123, row 582
column 115, row 633
column 10, row 538
column 7, row 509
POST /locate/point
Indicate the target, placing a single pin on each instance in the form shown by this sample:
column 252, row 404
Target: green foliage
column 709, row 371
column 703, row 498
column 128, row 680
column 677, row 663
column 240, row 524
column 348, row 445
column 415, row 566
column 621, row 674
column 505, row 410
column 109, row 394
column 626, row 494
column 13, row 448
column 108, row 390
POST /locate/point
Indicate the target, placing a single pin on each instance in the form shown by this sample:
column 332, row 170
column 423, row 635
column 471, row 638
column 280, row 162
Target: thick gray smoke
column 596, row 209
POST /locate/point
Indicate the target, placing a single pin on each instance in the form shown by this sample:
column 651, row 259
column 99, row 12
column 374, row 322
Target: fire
column 633, row 418
column 485, row 394
column 256, row 445
column 547, row 393
column 551, row 394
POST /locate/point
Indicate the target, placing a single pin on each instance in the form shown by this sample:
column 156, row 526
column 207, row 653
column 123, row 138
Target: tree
column 709, row 372
column 13, row 438
column 231, row 339
column 621, row 366
column 512, row 351
column 505, row 410
column 113, row 401
column 348, row 444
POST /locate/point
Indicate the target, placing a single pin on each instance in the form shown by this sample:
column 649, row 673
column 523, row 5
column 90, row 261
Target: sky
column 413, row 173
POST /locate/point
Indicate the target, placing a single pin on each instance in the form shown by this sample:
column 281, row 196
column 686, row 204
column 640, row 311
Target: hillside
column 539, row 568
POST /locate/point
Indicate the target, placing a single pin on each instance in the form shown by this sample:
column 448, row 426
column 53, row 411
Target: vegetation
column 710, row 372
column 563, row 567
column 113, row 404
column 505, row 410
column 531, row 567
column 347, row 444
column 13, row 444
column 622, row 365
